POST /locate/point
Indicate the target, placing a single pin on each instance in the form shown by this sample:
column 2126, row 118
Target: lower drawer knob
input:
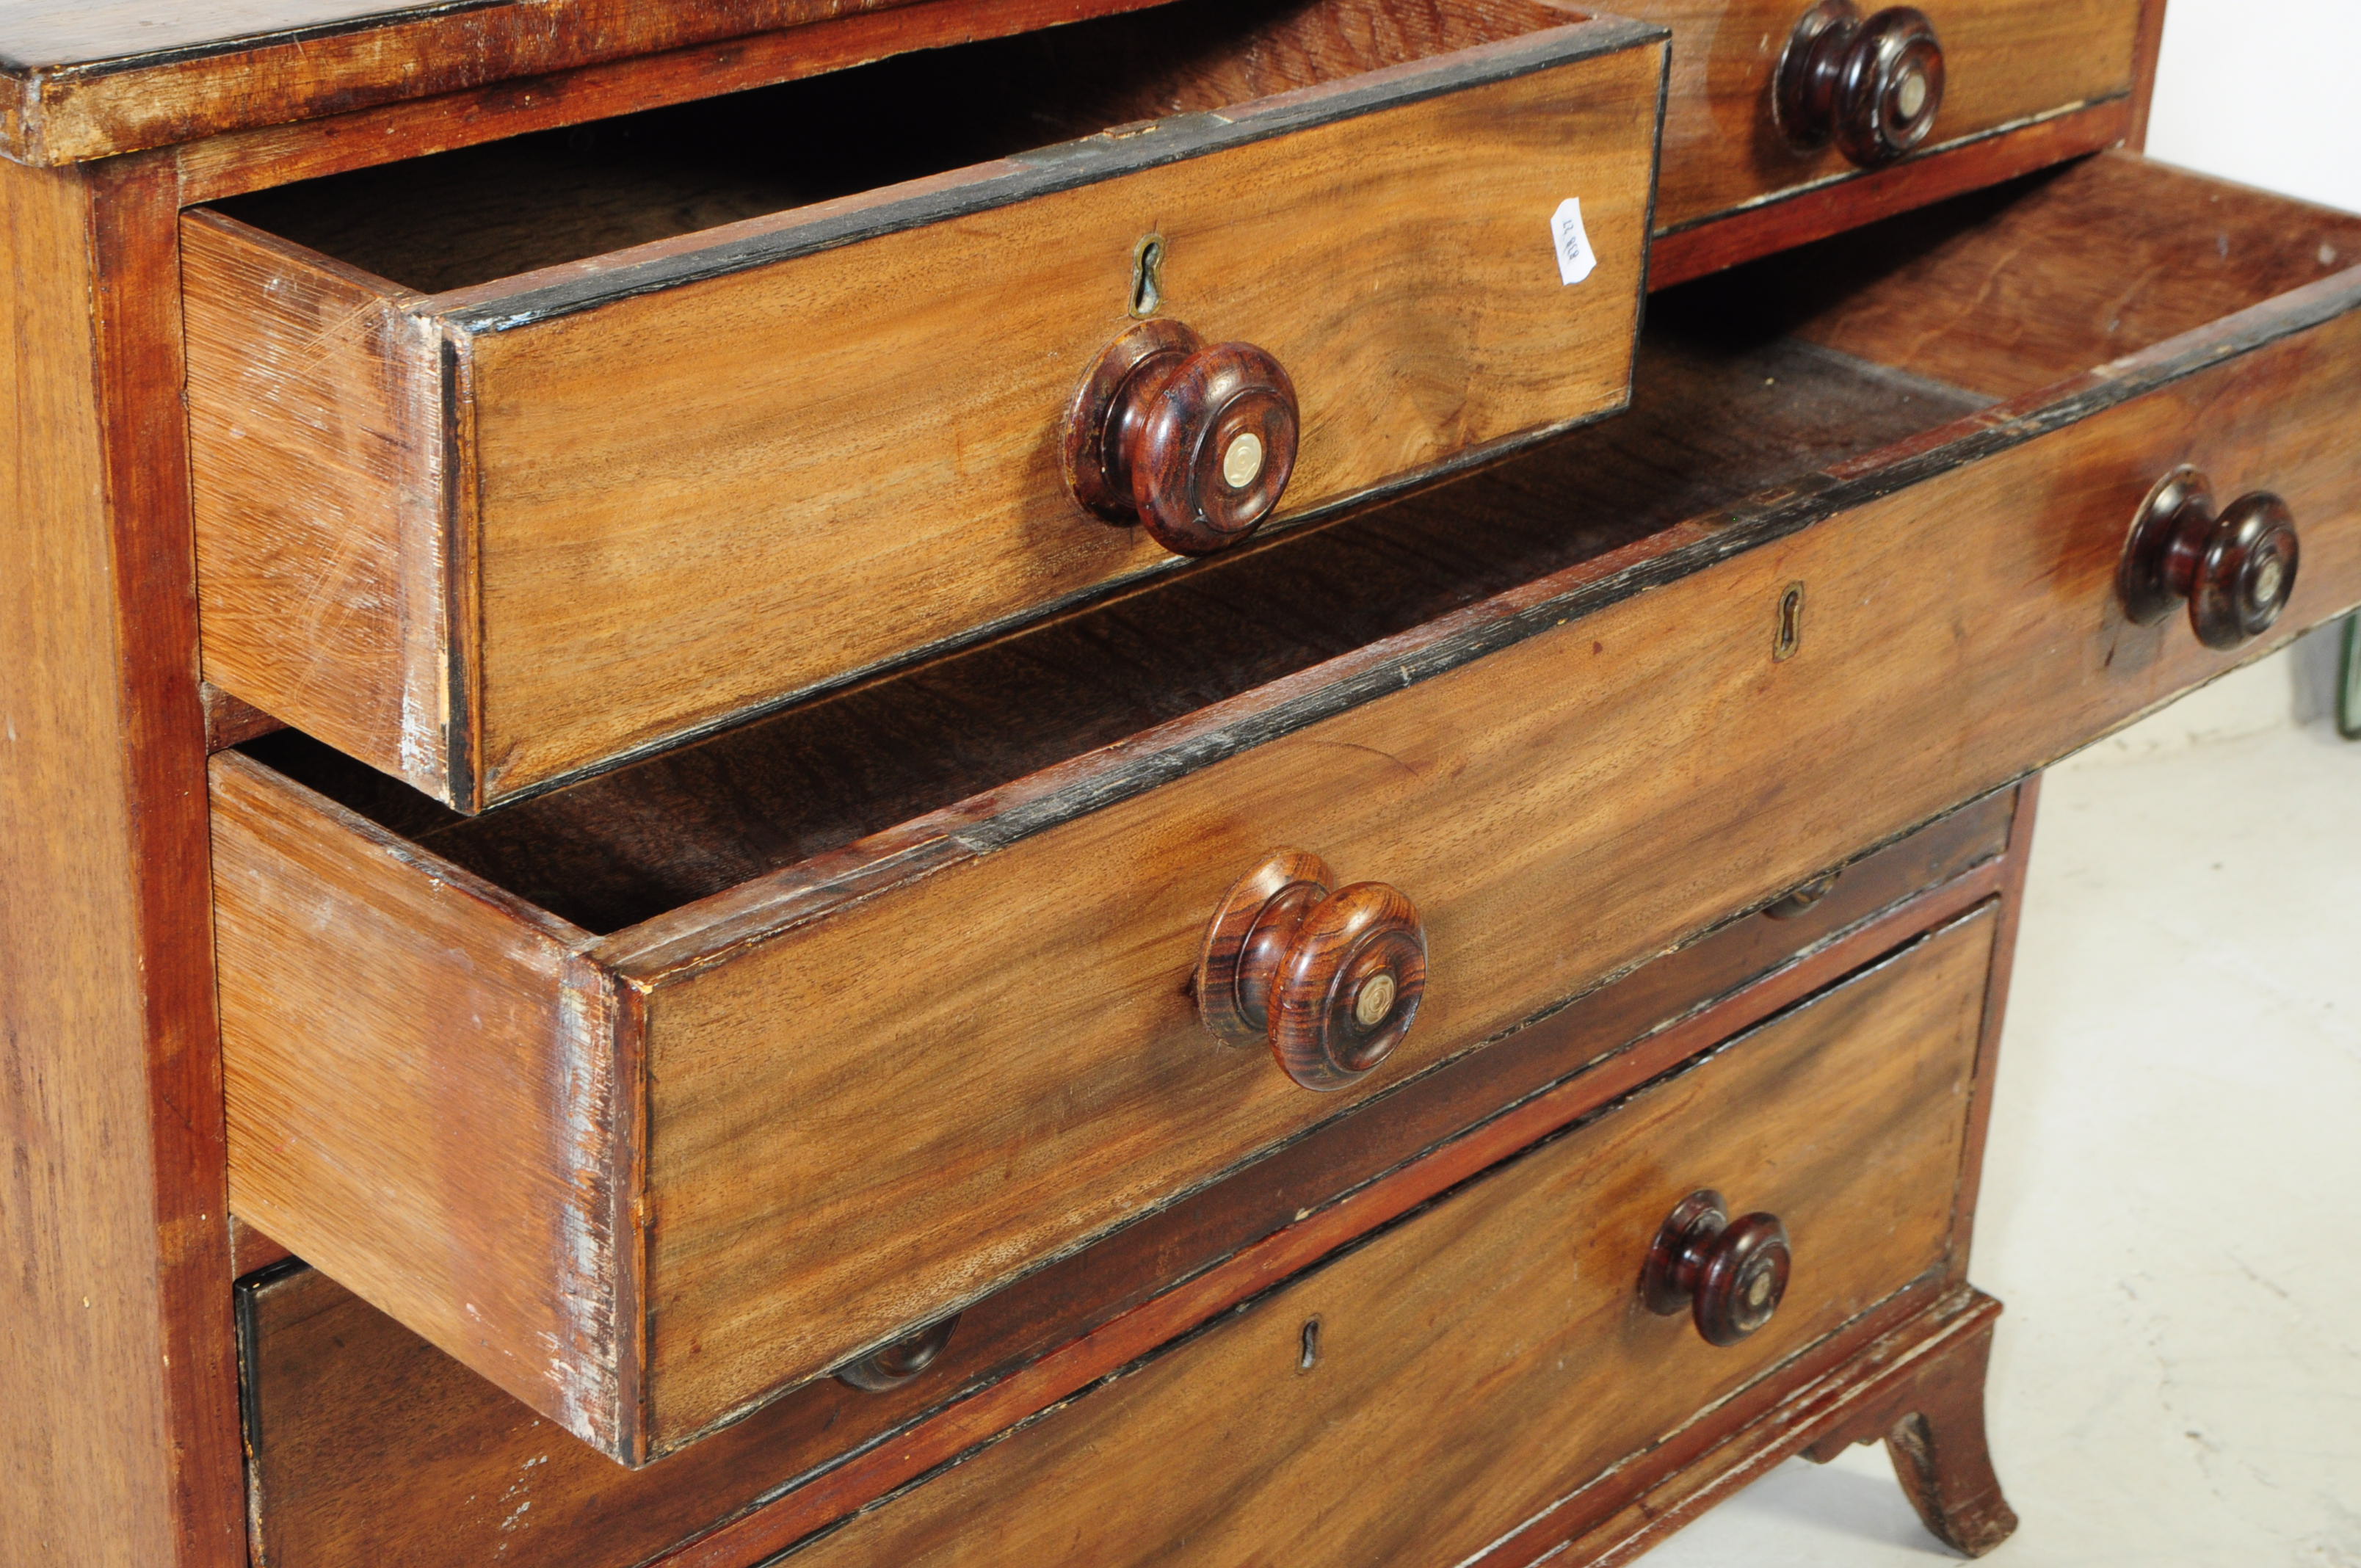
column 2236, row 567
column 1730, row 1275
column 1331, row 979
column 1194, row 442
column 1872, row 87
column 891, row 1366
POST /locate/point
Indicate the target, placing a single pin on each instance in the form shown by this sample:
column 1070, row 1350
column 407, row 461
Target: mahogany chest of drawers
column 1068, row 782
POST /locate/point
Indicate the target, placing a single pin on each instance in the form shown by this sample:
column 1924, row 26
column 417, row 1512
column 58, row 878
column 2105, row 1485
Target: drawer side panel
column 419, row 1101
column 317, row 446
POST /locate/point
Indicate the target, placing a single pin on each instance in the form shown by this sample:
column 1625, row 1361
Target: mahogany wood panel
column 840, row 475
column 370, row 1447
column 1815, row 211
column 2011, row 290
column 235, row 163
column 1493, row 1349
column 305, row 345
column 87, row 79
column 1616, row 745
column 2006, row 62
column 120, row 1444
column 521, row 1157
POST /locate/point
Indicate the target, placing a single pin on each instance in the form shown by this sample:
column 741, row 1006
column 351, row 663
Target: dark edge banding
column 1655, row 198
column 1065, row 166
column 246, row 1314
column 461, row 634
column 622, row 1032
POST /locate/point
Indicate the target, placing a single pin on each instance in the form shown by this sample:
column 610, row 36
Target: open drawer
column 659, row 1093
column 514, row 460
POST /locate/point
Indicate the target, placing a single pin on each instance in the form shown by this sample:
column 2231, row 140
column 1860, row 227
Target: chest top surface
column 80, row 81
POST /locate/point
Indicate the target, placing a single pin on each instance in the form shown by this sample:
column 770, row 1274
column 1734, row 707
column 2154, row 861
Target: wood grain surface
column 839, row 478
column 1816, row 212
column 81, row 79
column 959, row 1046
column 2012, row 290
column 2006, row 62
column 1493, row 1350
column 372, row 1448
column 315, row 422
column 506, row 1129
column 118, row 1372
column 235, row 163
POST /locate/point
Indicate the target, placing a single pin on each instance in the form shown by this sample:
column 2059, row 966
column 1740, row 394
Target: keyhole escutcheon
column 1790, row 638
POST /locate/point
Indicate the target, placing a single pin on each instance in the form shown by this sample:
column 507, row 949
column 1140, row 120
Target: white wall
column 2268, row 92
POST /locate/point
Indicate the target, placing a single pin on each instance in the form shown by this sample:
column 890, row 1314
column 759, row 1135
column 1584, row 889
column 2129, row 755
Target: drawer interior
column 458, row 219
column 1746, row 380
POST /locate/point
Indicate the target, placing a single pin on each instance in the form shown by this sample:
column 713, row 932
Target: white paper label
column 1576, row 259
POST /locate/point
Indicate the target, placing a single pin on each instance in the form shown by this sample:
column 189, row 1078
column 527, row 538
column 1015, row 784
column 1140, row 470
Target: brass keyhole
column 1148, row 276
column 1309, row 1357
column 1791, row 624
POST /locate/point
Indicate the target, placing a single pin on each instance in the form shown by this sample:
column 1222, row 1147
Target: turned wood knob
column 1331, row 979
column 1730, row 1274
column 1872, row 87
column 890, row 1366
column 2236, row 567
column 1193, row 440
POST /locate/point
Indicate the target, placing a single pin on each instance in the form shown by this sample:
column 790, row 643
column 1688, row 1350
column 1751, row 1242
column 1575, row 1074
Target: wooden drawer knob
column 1730, row 1274
column 1193, row 440
column 1872, row 87
column 890, row 1366
column 2236, row 568
column 1331, row 979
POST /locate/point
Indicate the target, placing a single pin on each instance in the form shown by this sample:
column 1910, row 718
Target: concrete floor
column 2172, row 1199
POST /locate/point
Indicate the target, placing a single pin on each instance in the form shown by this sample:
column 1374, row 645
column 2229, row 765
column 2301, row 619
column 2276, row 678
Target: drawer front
column 804, row 1116
column 488, row 539
column 2005, row 63
column 1493, row 1352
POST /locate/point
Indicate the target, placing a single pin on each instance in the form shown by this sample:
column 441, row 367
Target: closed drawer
column 1493, row 1352
column 2059, row 75
column 489, row 494
column 347, row 1409
column 718, row 1070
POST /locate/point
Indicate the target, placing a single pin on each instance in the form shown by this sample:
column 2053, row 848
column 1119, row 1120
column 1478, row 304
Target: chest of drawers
column 981, row 782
